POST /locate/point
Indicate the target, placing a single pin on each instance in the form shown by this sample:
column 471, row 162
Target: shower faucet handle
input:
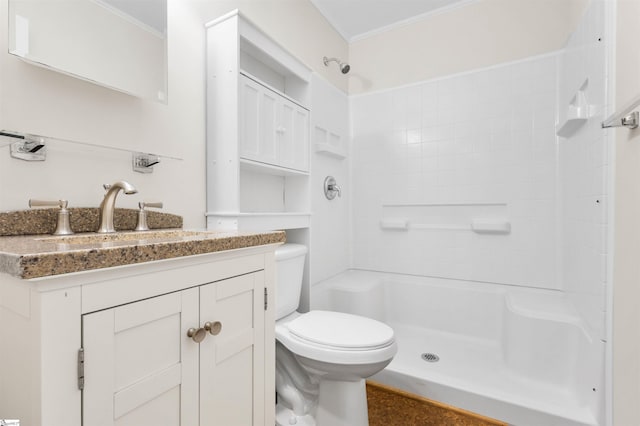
column 331, row 188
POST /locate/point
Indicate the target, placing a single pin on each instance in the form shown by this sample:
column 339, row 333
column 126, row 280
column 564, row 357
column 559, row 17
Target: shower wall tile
column 470, row 139
column 584, row 170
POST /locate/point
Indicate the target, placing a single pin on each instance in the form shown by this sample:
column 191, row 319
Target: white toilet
column 322, row 358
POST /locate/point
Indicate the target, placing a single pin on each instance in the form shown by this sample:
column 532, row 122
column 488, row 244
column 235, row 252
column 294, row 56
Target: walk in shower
column 480, row 226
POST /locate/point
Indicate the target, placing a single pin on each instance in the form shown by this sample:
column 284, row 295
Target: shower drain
column 429, row 357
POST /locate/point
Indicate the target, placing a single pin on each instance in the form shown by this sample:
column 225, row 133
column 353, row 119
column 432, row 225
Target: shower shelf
column 329, row 143
column 578, row 113
column 479, row 226
column 576, row 117
column 330, row 150
column 491, row 218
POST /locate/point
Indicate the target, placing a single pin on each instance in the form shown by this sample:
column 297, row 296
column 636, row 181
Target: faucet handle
column 63, row 227
column 331, row 188
column 47, row 203
column 142, row 214
column 156, row 204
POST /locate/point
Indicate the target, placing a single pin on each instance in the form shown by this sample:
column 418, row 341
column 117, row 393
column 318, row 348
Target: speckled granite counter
column 34, row 256
column 82, row 219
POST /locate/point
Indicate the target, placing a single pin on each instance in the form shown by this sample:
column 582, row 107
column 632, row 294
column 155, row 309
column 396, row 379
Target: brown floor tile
column 393, row 407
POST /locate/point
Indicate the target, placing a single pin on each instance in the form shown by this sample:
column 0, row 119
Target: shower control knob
column 213, row 327
column 197, row 335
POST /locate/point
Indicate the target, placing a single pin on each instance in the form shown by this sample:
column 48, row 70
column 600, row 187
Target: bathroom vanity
column 175, row 339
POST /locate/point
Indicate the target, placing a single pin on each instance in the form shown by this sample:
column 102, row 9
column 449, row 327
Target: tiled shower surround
column 475, row 146
column 584, row 170
column 482, row 146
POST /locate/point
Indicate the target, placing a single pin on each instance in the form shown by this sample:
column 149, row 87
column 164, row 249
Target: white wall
column 479, row 145
column 39, row 101
column 626, row 270
column 297, row 25
column 475, row 35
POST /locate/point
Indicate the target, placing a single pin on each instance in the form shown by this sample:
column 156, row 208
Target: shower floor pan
column 518, row 355
column 471, row 374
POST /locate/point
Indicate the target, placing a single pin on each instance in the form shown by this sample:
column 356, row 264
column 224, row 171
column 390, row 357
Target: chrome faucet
column 108, row 205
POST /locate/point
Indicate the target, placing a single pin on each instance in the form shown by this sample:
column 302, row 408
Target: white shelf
column 258, row 221
column 328, row 143
column 576, row 117
column 257, row 166
column 273, row 89
column 577, row 114
column 330, row 150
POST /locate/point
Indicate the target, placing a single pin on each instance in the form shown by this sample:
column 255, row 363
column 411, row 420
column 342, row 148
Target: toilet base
column 342, row 403
column 286, row 417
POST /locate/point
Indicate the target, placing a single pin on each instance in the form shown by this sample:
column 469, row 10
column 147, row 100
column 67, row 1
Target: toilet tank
column 289, row 270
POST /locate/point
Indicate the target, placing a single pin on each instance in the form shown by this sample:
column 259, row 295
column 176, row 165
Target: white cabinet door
column 300, row 134
column 293, row 135
column 273, row 130
column 258, row 122
column 232, row 389
column 140, row 367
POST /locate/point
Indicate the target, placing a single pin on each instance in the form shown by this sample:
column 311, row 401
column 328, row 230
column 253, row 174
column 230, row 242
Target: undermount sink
column 124, row 236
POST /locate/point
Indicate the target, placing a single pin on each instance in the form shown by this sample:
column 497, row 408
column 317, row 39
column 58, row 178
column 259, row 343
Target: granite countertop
column 81, row 219
column 34, row 256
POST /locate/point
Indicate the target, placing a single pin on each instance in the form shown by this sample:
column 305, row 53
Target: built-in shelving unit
column 258, row 112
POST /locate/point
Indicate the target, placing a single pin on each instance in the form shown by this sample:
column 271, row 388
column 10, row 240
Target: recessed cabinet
column 273, row 129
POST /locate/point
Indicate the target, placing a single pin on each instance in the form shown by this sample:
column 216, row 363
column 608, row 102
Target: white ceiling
column 353, row 18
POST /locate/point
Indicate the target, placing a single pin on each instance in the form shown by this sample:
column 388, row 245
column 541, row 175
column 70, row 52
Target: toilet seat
column 338, row 330
column 336, row 337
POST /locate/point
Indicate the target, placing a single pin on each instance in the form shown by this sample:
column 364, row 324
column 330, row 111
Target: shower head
column 344, row 67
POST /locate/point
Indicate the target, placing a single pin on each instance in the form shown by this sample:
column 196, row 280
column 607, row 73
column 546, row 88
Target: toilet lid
column 341, row 330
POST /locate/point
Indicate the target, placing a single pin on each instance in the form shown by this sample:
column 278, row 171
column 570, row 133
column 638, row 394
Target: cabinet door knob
column 213, row 327
column 197, row 335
